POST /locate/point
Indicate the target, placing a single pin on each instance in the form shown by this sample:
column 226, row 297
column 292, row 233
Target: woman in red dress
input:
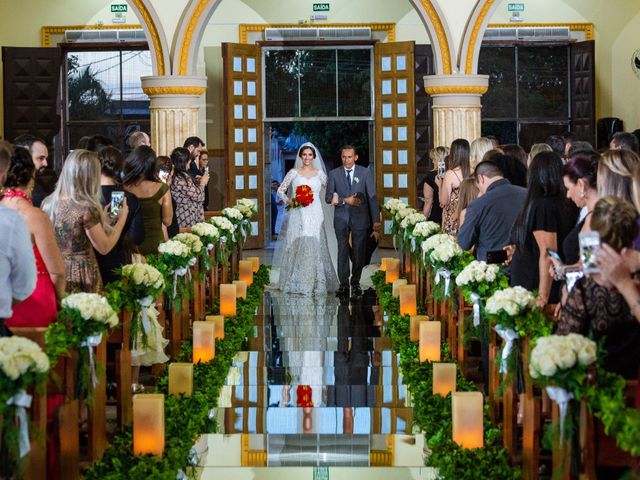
column 39, row 310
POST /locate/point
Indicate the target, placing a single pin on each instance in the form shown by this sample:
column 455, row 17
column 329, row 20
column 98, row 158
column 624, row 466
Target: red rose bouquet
column 303, row 394
column 303, row 197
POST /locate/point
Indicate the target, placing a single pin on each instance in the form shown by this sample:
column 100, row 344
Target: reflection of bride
column 302, row 255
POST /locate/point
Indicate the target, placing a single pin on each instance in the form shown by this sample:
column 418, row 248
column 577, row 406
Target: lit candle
column 228, row 300
column 218, row 322
column 444, row 378
column 408, row 305
column 181, row 379
column 414, row 326
column 429, row 341
column 148, row 424
column 392, row 271
column 246, row 271
column 204, row 344
column 466, row 409
column 395, row 288
column 241, row 288
column 255, row 262
column 383, row 264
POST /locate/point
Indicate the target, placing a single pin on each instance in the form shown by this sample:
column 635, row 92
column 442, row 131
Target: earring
column 583, row 194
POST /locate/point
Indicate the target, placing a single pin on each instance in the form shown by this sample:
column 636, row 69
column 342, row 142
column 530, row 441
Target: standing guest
column 557, row 144
column 111, row 164
column 545, row 220
column 512, row 169
column 479, row 147
column 138, row 138
column 79, row 220
column 188, row 194
column 517, row 152
column 578, row 146
column 431, row 186
column 153, row 195
column 624, row 140
column 494, row 140
column 195, row 146
column 204, row 168
column 488, row 156
column 450, row 191
column 39, row 310
column 165, row 171
column 569, row 139
column 468, row 193
column 96, row 142
column 17, row 264
column 536, row 148
column 45, row 178
column 83, row 143
column 490, row 217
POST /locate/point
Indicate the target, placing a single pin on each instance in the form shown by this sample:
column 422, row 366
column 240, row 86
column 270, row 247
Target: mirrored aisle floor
column 317, row 393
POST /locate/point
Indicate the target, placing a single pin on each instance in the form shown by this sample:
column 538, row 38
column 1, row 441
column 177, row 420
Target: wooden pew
column 98, row 413
column 531, row 421
column 121, row 336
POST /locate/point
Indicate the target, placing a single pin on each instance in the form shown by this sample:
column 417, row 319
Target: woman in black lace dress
column 595, row 309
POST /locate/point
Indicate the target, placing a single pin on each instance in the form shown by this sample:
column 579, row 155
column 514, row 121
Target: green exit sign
column 119, row 8
column 320, row 7
column 516, row 7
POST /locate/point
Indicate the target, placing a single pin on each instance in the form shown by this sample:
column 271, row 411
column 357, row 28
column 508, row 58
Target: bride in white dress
column 302, row 256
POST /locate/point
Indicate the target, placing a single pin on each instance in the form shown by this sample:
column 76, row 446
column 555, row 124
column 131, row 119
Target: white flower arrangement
column 425, row 229
column 394, row 204
column 190, row 240
column 247, row 207
column 412, row 219
column 477, row 272
column 19, row 355
column 445, row 252
column 233, row 214
column 205, row 230
column 92, row 307
column 175, row 248
column 555, row 353
column 143, row 274
column 433, row 241
column 223, row 223
column 513, row 301
column 402, row 212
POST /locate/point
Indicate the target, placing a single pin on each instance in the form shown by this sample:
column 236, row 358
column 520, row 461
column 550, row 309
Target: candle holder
column 429, row 346
column 395, row 288
column 467, row 426
column 181, row 379
column 444, row 378
column 218, row 322
column 383, row 264
column 204, row 343
column 148, row 424
column 246, row 271
column 228, row 300
column 241, row 288
column 408, row 302
column 392, row 271
column 255, row 262
column 414, row 326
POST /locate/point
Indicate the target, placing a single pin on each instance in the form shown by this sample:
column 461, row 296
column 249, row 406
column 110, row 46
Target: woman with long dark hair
column 459, row 169
column 188, row 195
column 544, row 222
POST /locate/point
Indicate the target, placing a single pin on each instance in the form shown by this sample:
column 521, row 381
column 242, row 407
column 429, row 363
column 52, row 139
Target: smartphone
column 589, row 245
column 163, row 175
column 441, row 168
column 206, row 169
column 496, row 256
column 571, row 277
column 555, row 255
column 117, row 199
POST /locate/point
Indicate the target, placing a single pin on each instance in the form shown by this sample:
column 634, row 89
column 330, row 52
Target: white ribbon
column 209, row 247
column 90, row 342
column 144, row 317
column 178, row 272
column 446, row 274
column 22, row 400
column 194, row 458
column 212, row 414
column 181, row 475
column 193, row 261
column 394, row 243
column 561, row 396
column 509, row 336
column 475, row 298
column 413, row 244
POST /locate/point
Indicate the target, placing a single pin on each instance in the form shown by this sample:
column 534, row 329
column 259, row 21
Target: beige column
column 175, row 101
column 456, row 106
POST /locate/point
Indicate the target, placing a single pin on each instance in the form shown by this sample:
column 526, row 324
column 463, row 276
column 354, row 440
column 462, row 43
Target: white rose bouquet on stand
column 478, row 281
column 408, row 224
column 236, row 217
column 227, row 237
column 23, row 365
column 175, row 259
column 209, row 235
column 443, row 253
column 249, row 209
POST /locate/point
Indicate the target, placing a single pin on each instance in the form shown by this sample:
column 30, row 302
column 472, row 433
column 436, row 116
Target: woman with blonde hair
column 479, row 147
column 432, row 182
column 79, row 222
column 536, row 148
column 615, row 174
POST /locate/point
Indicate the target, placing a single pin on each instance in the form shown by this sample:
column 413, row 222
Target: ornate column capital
column 456, row 89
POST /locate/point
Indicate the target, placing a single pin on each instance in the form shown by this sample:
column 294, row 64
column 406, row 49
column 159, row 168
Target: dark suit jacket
column 368, row 211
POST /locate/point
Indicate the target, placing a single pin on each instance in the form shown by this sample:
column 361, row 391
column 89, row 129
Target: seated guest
column 111, row 164
column 188, row 194
column 77, row 216
column 39, row 310
column 17, row 263
column 468, row 193
column 593, row 308
column 624, row 141
column 489, row 218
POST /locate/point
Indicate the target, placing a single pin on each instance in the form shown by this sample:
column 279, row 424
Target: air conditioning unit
column 104, row 35
column 316, row 34
column 528, row 34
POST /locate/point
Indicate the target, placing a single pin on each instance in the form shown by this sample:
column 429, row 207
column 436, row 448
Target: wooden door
column 583, row 96
column 395, row 125
column 243, row 131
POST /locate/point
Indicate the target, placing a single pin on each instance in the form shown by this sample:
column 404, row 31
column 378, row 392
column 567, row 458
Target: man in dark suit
column 351, row 190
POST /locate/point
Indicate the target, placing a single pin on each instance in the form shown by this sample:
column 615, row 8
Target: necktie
column 349, row 178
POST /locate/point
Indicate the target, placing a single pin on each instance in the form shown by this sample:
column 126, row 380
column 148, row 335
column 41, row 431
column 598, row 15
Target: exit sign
column 516, row 7
column 320, row 7
column 119, row 8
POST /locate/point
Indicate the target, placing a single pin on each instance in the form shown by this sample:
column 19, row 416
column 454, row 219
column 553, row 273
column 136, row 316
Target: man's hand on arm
column 377, row 231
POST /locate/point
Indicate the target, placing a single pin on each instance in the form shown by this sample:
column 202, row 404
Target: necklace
column 12, row 192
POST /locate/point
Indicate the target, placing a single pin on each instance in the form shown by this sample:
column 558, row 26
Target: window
column 323, row 83
column 104, row 94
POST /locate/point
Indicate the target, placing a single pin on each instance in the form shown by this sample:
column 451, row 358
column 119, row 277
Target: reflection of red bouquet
column 303, row 198
column 303, row 394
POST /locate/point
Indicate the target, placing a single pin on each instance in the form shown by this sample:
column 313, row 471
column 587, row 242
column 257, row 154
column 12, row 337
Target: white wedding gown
column 302, row 255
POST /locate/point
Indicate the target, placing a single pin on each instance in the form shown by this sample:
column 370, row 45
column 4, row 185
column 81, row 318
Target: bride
column 302, row 255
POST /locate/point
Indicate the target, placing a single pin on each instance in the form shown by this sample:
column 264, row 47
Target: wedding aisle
column 317, row 388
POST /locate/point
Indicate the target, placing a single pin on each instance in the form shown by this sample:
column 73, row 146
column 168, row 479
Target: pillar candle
column 466, row 410
column 255, row 262
column 395, row 288
column 414, row 326
column 204, row 345
column 408, row 304
column 218, row 322
column 228, row 300
column 148, row 424
column 392, row 271
column 430, row 341
column 383, row 264
column 181, row 379
column 241, row 288
column 246, row 271
column 444, row 378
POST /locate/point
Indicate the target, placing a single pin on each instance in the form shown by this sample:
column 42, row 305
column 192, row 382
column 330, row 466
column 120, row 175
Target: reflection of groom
column 351, row 189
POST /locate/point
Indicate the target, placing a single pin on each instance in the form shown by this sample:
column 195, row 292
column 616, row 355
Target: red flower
column 303, row 396
column 303, row 197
